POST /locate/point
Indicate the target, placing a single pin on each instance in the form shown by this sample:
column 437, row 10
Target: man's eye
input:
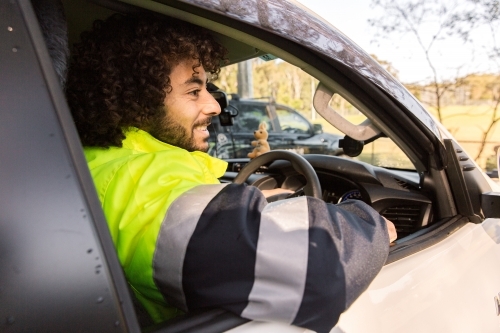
column 195, row 92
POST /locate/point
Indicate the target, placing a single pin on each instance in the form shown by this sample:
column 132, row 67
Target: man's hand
column 392, row 230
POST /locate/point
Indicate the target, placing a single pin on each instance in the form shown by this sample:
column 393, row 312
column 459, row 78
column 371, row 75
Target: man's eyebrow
column 195, row 79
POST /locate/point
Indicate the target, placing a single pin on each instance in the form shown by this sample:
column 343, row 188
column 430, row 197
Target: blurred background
column 445, row 52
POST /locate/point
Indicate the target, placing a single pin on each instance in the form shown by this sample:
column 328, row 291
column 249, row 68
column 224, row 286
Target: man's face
column 189, row 108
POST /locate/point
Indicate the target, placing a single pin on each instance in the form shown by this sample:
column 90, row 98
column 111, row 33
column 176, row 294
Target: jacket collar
column 141, row 141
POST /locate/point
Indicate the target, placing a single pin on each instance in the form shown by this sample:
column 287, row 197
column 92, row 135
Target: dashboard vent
column 404, row 184
column 405, row 218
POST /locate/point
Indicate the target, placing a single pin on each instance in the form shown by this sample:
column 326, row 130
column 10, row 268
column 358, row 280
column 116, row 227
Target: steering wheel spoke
column 298, row 193
column 299, row 163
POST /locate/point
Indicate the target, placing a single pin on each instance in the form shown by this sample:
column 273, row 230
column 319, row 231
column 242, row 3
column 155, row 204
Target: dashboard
column 351, row 195
column 395, row 194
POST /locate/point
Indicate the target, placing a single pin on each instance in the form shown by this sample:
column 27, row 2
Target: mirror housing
column 490, row 204
column 351, row 147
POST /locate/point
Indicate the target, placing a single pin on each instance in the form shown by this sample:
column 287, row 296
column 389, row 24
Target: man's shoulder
column 97, row 156
column 177, row 163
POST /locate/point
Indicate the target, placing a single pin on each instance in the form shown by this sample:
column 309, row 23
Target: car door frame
column 49, row 201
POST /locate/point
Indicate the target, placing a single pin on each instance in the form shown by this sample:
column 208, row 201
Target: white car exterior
column 448, row 287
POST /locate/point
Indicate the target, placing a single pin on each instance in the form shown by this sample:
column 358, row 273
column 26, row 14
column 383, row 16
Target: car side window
column 291, row 122
column 382, row 152
column 289, row 115
column 250, row 116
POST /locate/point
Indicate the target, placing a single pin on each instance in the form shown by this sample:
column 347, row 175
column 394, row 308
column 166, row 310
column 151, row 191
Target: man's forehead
column 189, row 71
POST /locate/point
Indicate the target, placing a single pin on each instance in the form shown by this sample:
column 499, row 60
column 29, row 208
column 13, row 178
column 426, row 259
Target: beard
column 170, row 131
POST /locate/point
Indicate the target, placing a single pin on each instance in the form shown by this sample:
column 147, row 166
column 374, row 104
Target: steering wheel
column 299, row 163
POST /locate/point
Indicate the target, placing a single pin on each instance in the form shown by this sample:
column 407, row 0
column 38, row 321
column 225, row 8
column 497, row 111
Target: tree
column 430, row 23
column 485, row 15
column 479, row 14
column 275, row 80
column 427, row 22
column 388, row 66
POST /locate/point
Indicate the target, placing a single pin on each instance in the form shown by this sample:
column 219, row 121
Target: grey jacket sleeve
column 299, row 261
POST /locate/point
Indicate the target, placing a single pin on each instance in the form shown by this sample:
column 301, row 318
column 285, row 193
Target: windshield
column 279, row 95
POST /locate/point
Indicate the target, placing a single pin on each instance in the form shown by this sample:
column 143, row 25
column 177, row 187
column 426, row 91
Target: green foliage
column 275, row 80
column 491, row 162
column 227, row 80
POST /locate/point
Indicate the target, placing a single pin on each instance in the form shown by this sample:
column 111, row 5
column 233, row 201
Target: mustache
column 203, row 122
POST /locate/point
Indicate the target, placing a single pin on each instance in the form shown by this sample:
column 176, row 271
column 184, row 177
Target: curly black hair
column 119, row 73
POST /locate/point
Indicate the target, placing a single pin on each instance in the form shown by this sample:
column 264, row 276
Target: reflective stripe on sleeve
column 281, row 263
column 219, row 265
column 298, row 261
column 176, row 231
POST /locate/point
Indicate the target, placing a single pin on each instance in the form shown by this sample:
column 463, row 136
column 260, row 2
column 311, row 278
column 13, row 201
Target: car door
column 449, row 287
column 453, row 284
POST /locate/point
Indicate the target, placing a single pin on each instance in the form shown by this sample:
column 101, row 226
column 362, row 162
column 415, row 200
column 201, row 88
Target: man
column 137, row 91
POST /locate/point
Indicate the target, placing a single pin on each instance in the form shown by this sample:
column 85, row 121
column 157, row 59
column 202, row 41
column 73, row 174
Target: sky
column 452, row 58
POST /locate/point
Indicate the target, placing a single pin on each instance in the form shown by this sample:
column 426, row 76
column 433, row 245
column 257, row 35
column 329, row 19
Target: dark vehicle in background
column 288, row 130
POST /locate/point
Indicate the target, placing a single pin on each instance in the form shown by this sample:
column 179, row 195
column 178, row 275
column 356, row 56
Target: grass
column 465, row 123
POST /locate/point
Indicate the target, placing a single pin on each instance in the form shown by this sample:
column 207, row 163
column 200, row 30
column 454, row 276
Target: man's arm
column 299, row 261
column 391, row 229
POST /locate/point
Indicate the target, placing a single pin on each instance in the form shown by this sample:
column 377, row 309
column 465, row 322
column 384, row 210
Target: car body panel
column 464, row 270
column 449, row 287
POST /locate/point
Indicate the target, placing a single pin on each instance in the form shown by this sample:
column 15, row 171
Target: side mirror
column 351, row 147
column 318, row 128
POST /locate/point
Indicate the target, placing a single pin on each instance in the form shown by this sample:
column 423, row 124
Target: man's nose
column 210, row 105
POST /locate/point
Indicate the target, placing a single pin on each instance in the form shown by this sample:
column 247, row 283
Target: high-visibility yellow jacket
column 187, row 242
column 136, row 184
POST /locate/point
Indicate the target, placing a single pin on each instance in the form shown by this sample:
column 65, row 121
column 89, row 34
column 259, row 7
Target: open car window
column 280, row 95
